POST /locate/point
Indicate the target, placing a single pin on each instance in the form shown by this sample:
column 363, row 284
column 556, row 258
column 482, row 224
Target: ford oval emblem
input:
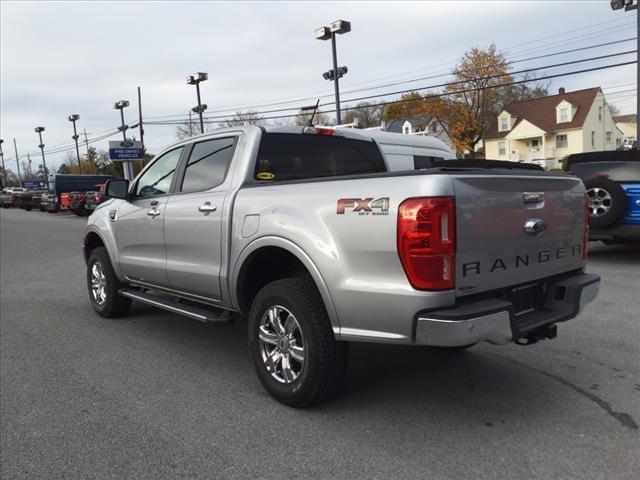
column 535, row 226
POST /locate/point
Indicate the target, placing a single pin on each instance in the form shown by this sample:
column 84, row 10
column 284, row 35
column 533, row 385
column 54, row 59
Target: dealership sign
column 126, row 150
column 33, row 184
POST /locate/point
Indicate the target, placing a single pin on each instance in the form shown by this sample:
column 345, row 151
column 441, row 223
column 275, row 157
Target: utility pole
column 140, row 118
column 4, row 170
column 86, row 140
column 74, row 118
column 29, row 171
column 190, row 125
column 39, row 131
column 15, row 147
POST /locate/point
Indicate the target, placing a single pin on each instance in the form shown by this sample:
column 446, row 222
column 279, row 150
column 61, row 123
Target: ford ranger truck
column 321, row 237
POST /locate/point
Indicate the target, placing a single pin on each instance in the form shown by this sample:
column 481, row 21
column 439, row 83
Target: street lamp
column 39, row 131
column 127, row 166
column 74, row 118
column 329, row 33
column 195, row 79
column 628, row 6
column 4, row 171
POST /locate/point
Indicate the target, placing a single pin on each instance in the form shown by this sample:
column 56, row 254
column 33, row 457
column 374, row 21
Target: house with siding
column 547, row 129
column 422, row 125
column 628, row 126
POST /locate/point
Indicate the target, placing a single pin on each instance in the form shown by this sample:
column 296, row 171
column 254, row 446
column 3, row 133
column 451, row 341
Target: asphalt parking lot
column 154, row 395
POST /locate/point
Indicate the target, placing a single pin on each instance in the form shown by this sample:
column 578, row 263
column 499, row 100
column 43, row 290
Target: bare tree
column 240, row 119
column 318, row 119
column 614, row 109
column 367, row 115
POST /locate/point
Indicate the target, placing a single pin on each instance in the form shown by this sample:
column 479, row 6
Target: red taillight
column 585, row 238
column 427, row 242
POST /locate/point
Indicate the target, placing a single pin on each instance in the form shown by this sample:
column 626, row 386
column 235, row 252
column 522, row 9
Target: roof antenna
column 311, row 107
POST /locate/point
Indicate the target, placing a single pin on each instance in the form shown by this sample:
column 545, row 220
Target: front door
column 194, row 219
column 139, row 223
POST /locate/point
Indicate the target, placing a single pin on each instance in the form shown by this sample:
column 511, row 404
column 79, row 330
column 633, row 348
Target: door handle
column 207, row 208
column 154, row 212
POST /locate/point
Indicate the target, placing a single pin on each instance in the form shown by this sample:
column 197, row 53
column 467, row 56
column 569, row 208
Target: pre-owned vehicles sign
column 125, row 151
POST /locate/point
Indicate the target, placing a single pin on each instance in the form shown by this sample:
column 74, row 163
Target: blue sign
column 32, row 184
column 124, row 154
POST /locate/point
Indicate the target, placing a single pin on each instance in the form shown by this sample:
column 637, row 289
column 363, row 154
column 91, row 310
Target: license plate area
column 525, row 298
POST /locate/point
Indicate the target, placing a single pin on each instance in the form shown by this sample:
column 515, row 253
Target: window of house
column 208, row 164
column 434, row 127
column 156, row 180
column 618, row 142
column 564, row 114
column 504, row 124
column 593, row 139
column 502, row 148
column 608, row 137
column 600, row 114
column 562, row 141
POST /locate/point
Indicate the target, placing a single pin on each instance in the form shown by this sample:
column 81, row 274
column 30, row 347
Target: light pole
column 325, row 33
column 195, row 79
column 74, row 118
column 4, row 171
column 15, row 147
column 629, row 6
column 127, row 166
column 39, row 131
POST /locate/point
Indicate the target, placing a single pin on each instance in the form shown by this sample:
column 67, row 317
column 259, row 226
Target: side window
column 208, row 164
column 422, row 161
column 157, row 179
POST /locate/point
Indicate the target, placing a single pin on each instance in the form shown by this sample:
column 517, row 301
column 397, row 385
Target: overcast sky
column 58, row 58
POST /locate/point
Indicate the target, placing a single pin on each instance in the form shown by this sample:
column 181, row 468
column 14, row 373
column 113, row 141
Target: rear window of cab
column 290, row 156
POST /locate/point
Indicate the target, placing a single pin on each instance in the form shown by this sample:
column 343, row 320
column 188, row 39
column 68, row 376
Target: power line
column 441, row 85
column 315, row 95
column 439, row 95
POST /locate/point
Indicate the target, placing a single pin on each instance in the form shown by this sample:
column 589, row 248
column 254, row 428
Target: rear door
column 195, row 217
column 139, row 223
column 512, row 229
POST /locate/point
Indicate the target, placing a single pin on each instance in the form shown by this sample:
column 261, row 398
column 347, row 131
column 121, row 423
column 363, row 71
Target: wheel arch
column 281, row 252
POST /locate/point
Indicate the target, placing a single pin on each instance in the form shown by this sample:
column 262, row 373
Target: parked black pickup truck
column 28, row 199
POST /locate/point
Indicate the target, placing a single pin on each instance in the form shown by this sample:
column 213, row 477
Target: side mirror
column 117, row 189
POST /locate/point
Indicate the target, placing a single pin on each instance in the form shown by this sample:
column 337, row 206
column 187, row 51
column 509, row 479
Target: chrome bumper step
column 215, row 316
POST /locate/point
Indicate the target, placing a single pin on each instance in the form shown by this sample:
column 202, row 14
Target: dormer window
column 504, row 122
column 406, row 128
column 563, row 115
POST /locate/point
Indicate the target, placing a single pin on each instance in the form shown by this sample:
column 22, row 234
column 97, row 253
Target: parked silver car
column 322, row 237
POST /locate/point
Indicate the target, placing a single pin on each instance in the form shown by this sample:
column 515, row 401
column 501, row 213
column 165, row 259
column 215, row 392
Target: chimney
column 561, row 91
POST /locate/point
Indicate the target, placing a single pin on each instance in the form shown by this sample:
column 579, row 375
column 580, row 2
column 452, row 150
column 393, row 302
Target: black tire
column 42, row 209
column 607, row 202
column 325, row 359
column 114, row 304
column 28, row 209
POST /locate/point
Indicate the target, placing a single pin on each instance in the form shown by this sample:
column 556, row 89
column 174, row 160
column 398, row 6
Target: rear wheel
column 292, row 345
column 607, row 202
column 42, row 209
column 103, row 286
column 28, row 208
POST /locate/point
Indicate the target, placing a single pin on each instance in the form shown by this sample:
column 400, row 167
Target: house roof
column 625, row 119
column 542, row 112
column 418, row 123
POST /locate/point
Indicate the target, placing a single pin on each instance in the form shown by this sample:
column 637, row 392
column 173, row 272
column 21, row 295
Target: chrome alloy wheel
column 600, row 201
column 98, row 284
column 281, row 344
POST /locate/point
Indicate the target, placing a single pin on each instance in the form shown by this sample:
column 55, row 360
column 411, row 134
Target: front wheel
column 292, row 345
column 103, row 286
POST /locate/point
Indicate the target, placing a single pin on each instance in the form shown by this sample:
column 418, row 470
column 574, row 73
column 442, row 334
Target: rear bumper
column 494, row 321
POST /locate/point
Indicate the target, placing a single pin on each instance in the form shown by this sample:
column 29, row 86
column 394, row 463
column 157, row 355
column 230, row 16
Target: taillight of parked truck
column 427, row 243
column 585, row 236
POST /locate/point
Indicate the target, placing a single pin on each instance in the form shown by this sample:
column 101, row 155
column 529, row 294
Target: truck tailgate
column 515, row 229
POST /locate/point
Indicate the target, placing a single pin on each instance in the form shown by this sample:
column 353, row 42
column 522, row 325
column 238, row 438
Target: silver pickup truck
column 321, row 237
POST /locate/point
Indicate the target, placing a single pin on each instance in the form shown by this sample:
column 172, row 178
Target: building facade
column 547, row 129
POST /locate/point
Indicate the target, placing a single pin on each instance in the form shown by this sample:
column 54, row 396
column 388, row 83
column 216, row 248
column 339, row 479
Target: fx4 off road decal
column 364, row 206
